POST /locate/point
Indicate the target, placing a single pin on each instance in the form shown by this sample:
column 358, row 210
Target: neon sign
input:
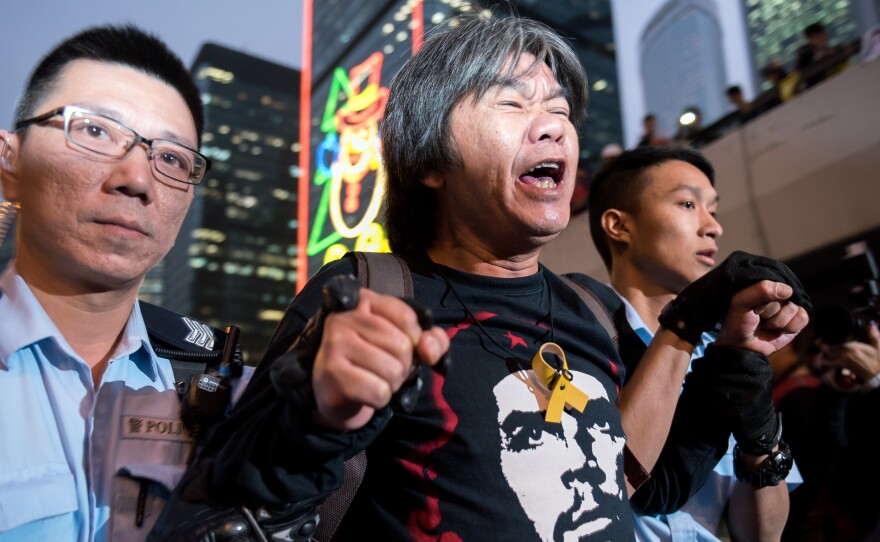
column 347, row 164
column 341, row 189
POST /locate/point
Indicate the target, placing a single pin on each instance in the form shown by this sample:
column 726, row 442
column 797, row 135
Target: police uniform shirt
column 76, row 463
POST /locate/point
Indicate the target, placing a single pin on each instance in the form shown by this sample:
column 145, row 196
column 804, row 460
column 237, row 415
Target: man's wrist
column 764, row 444
column 770, row 471
column 680, row 317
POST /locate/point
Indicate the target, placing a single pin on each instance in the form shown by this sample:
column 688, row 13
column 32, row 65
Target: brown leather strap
column 596, row 306
column 385, row 273
column 635, row 473
column 334, row 507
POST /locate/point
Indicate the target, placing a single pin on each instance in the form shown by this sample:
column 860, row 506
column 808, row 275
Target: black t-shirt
column 476, row 460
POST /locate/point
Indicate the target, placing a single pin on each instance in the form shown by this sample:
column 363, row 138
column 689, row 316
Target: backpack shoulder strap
column 633, row 470
column 595, row 305
column 387, row 274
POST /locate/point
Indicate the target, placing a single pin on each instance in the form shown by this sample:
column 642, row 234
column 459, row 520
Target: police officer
column 102, row 160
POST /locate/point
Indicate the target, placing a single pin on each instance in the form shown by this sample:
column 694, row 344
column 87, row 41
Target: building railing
column 790, row 86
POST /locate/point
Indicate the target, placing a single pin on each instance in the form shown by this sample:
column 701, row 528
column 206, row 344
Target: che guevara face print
column 562, row 473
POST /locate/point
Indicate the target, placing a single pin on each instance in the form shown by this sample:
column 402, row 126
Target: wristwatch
column 770, row 472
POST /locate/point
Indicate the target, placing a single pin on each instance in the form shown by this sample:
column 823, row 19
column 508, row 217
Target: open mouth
column 544, row 175
column 708, row 255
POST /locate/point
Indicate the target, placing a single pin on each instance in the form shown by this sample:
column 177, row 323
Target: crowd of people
column 494, row 399
column 813, row 62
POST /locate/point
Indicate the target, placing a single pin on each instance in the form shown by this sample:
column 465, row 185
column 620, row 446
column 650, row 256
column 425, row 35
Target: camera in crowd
column 836, row 324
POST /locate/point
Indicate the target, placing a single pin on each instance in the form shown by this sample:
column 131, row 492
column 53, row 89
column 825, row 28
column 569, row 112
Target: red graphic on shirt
column 423, row 523
column 514, row 340
column 480, row 316
column 614, row 371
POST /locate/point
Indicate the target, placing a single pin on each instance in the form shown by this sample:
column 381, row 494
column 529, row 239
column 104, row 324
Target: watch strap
column 770, row 472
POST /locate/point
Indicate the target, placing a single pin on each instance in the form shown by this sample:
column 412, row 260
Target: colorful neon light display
column 346, row 159
column 343, row 182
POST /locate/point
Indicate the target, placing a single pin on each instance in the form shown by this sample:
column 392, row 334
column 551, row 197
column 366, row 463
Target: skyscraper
column 682, row 61
column 235, row 258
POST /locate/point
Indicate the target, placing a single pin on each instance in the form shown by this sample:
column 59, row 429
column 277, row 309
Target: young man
column 523, row 438
column 652, row 219
column 102, row 160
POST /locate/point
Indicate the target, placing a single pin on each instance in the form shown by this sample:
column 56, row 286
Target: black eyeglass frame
column 138, row 138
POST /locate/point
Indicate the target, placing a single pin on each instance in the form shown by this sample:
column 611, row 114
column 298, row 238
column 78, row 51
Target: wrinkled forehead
column 522, row 73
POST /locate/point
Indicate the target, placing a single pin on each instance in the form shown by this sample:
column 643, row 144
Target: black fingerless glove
column 700, row 306
column 291, row 374
column 741, row 382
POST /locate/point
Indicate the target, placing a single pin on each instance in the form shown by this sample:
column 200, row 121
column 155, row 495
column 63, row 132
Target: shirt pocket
column 36, row 493
column 141, row 491
column 150, row 458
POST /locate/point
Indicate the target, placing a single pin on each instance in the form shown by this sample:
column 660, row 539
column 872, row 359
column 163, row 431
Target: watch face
column 783, row 461
column 779, row 463
column 773, row 470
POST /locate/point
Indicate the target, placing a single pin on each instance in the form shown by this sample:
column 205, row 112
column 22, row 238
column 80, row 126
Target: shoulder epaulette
column 172, row 330
column 192, row 346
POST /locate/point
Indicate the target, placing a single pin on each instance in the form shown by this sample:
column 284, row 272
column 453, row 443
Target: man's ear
column 614, row 222
column 8, row 155
column 434, row 180
column 9, row 187
column 5, row 149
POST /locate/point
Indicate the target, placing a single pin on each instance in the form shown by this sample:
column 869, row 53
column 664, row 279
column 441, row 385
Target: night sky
column 268, row 29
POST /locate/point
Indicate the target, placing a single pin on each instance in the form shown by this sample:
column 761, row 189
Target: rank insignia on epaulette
column 200, row 334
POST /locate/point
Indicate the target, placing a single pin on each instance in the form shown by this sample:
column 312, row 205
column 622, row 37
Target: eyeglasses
column 108, row 137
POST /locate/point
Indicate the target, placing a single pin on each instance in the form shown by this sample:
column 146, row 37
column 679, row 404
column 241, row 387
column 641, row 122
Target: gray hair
column 463, row 60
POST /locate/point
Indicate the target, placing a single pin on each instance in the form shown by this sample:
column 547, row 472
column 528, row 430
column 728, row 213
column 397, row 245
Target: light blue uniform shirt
column 698, row 520
column 73, row 461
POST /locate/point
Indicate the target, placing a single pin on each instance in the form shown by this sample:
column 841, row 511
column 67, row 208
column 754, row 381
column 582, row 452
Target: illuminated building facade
column 776, row 28
column 235, row 258
column 356, row 48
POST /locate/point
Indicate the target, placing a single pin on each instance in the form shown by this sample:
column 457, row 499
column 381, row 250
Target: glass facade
column 682, row 62
column 235, row 258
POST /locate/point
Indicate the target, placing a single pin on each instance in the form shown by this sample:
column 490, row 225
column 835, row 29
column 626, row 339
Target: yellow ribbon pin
column 558, row 381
